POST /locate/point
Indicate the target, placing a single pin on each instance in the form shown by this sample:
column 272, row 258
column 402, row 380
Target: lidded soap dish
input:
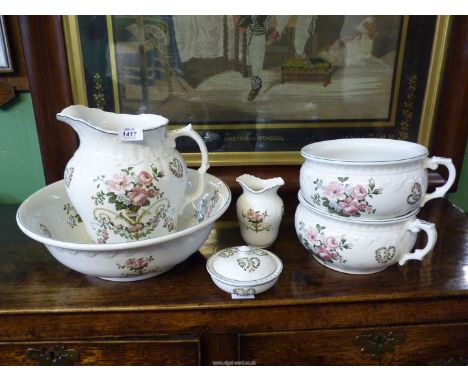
column 244, row 270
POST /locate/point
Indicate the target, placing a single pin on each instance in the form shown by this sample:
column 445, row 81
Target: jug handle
column 416, row 226
column 205, row 165
column 440, row 192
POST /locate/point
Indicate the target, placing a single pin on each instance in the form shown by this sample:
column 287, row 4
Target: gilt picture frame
column 383, row 86
column 6, row 63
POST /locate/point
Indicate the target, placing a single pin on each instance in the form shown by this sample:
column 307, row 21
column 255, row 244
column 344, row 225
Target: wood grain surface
column 46, row 63
column 47, row 285
column 451, row 126
column 422, row 345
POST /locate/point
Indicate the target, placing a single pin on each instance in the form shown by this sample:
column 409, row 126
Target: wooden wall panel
column 46, row 62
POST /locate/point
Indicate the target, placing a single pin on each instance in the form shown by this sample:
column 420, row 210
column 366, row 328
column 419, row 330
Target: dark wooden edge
column 46, row 63
column 45, row 55
column 17, row 80
column 451, row 124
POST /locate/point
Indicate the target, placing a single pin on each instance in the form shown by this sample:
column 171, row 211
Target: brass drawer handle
column 54, row 356
column 378, row 344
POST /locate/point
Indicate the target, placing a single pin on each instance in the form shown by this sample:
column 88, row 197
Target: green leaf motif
column 120, row 206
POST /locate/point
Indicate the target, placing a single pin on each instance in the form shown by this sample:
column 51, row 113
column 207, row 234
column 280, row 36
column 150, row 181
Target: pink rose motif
column 359, row 192
column 169, row 224
column 151, row 192
column 119, row 184
column 324, row 253
column 130, row 263
column 138, row 196
column 349, row 206
column 332, row 242
column 312, row 235
column 103, row 235
column 258, row 217
column 142, row 263
column 335, row 191
column 250, row 213
column 145, row 177
column 136, row 227
column 363, row 207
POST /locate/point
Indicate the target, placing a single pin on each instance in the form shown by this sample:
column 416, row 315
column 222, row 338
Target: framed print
column 6, row 64
column 258, row 88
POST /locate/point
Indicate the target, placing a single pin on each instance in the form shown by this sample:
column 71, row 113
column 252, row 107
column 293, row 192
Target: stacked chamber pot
column 359, row 199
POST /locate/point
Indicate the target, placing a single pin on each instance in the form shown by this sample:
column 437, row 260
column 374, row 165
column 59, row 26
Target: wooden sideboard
column 411, row 315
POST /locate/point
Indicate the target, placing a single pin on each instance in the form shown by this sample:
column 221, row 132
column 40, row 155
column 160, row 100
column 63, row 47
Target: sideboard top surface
column 32, row 281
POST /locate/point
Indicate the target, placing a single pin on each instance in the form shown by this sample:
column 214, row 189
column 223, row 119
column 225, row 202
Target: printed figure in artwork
column 262, row 33
column 353, row 49
column 211, row 67
column 162, row 65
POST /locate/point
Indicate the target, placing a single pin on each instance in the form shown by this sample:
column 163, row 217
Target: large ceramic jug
column 127, row 190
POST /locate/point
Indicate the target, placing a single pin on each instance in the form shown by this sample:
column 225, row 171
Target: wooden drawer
column 138, row 352
column 410, row 345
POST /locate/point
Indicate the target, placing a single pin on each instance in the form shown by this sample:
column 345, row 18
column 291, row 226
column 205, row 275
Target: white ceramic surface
column 360, row 246
column 259, row 210
column 49, row 217
column 133, row 189
column 367, row 178
column 244, row 270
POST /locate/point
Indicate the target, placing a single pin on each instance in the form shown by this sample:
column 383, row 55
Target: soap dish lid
column 244, row 266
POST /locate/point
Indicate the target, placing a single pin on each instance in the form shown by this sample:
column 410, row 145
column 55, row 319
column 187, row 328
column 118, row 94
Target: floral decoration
column 255, row 220
column 68, row 175
column 134, row 197
column 249, row 264
column 176, row 168
column 73, row 218
column 244, row 291
column 45, row 230
column 102, row 235
column 135, row 266
column 345, row 199
column 207, row 206
column 98, row 93
column 228, row 252
column 327, row 247
column 415, row 195
column 259, row 252
column 385, row 254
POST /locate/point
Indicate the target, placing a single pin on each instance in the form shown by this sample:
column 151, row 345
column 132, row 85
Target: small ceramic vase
column 259, row 210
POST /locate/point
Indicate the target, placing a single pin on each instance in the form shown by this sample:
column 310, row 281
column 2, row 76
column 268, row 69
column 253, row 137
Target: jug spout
column 73, row 112
column 76, row 116
column 79, row 117
column 256, row 185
